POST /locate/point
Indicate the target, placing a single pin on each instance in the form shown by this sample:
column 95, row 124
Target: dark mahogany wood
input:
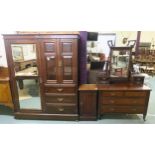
column 126, row 98
column 57, row 73
column 88, row 102
column 123, row 98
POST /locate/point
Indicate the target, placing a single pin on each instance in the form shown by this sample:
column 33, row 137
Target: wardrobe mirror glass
column 26, row 74
column 29, row 94
column 24, row 57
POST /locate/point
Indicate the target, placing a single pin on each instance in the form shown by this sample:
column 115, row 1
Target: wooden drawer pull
column 134, row 102
column 60, row 89
column 60, row 99
column 134, row 109
column 112, row 101
column 113, row 94
column 61, row 109
column 112, row 109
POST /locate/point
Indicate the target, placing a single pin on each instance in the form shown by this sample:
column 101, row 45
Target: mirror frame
column 121, row 49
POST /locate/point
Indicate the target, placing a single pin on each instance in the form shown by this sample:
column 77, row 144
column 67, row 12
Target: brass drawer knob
column 112, row 101
column 60, row 99
column 134, row 109
column 60, row 89
column 112, row 109
column 61, row 109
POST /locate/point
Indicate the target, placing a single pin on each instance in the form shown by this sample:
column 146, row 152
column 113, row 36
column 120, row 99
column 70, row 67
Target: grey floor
column 6, row 115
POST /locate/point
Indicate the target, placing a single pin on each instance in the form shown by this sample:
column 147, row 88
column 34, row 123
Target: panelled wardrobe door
column 59, row 65
column 68, row 60
column 49, row 60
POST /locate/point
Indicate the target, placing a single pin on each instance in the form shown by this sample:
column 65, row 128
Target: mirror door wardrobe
column 23, row 62
column 43, row 72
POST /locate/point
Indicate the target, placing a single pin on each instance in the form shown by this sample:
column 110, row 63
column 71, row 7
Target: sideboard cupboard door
column 88, row 102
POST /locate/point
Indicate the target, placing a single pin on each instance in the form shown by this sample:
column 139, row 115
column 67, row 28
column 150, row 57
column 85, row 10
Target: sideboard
column 121, row 98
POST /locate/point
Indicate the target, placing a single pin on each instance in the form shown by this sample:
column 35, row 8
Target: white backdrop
column 94, row 15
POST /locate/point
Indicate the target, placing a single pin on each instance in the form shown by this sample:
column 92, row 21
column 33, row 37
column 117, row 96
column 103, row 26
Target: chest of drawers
column 129, row 99
column 61, row 99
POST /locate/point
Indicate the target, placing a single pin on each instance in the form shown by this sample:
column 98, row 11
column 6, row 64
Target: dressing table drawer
column 122, row 109
column 136, row 93
column 112, row 93
column 122, row 101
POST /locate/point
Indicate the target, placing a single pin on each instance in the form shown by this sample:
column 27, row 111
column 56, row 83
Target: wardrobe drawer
column 122, row 109
column 60, row 89
column 61, row 108
column 111, row 93
column 61, row 99
column 136, row 94
column 123, row 101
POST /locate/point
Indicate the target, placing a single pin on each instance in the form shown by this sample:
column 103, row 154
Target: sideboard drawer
column 112, row 93
column 136, row 94
column 122, row 109
column 123, row 101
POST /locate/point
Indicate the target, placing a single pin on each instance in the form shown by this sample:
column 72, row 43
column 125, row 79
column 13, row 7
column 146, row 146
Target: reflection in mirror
column 26, row 74
column 120, row 63
column 24, row 56
column 98, row 56
column 29, row 94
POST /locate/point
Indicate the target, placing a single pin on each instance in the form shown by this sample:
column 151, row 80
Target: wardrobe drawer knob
column 61, row 109
column 134, row 109
column 60, row 89
column 60, row 99
column 112, row 101
column 135, row 102
column 112, row 109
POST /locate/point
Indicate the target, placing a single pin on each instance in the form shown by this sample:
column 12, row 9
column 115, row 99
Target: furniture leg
column 21, row 84
column 144, row 117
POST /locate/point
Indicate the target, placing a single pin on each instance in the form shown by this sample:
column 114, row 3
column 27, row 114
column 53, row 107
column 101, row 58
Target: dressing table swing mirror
column 120, row 64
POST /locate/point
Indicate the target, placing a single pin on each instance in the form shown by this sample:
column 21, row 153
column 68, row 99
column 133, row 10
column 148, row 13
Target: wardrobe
column 43, row 72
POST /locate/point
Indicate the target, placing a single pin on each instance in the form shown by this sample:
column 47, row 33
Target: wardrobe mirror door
column 24, row 57
column 26, row 75
column 29, row 94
